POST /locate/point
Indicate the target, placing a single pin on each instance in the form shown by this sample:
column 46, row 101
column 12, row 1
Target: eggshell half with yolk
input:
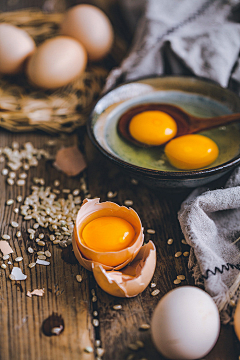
column 123, row 273
column 91, row 210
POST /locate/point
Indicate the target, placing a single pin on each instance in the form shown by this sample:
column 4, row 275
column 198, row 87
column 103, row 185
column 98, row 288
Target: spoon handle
column 199, row 124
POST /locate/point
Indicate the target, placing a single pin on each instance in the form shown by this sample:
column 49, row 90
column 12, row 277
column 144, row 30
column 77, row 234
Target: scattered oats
column 56, row 183
column 55, row 242
column 140, row 344
column 17, row 274
column 2, row 159
column 23, row 176
column 63, row 244
column 79, row 278
column 170, row 241
column 3, row 266
column 9, row 263
column 41, row 243
column 133, row 347
column 153, row 285
column 4, row 172
column 21, row 182
column 155, row 292
column 10, row 181
column 232, row 303
column 10, row 202
column 31, row 265
column 30, row 250
column 6, row 237
column 18, row 259
column 134, row 181
column 150, row 231
column 76, row 192
column 6, row 257
column 130, row 357
column 186, row 253
column 31, row 236
column 181, row 277
column 94, row 299
column 117, row 307
column 16, row 210
column 36, row 226
column 28, row 217
column 40, row 253
column 42, row 257
column 144, row 327
column 111, row 194
column 184, row 242
column 48, row 254
column 41, row 236
column 56, row 191
column 25, row 166
column 52, row 237
column 176, row 281
column 100, row 352
column 31, row 231
column 179, row 253
column 42, row 262
column 97, row 343
column 66, row 191
column 19, row 198
column 95, row 322
column 88, row 349
column 128, row 202
column 95, row 313
column 12, row 174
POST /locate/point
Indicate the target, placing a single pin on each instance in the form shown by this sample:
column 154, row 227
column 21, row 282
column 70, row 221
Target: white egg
column 91, row 27
column 185, row 323
column 15, row 46
column 56, row 62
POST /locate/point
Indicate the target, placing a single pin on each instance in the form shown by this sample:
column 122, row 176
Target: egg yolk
column 108, row 233
column 190, row 152
column 152, row 127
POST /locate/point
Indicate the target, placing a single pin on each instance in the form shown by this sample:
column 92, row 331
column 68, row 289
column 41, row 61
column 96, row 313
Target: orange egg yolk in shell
column 152, row 127
column 108, row 233
column 189, row 152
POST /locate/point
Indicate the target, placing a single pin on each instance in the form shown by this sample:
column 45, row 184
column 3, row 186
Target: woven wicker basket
column 25, row 108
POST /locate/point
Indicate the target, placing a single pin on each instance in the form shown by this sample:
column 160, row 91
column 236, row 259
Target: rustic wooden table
column 21, row 317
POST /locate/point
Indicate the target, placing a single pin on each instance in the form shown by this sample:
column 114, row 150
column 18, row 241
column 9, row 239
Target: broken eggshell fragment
column 141, row 260
column 133, row 279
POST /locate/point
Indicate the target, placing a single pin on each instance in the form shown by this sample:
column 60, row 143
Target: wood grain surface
column 21, row 317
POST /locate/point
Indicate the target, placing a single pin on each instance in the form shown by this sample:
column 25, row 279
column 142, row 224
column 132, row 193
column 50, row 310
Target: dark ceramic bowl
column 195, row 95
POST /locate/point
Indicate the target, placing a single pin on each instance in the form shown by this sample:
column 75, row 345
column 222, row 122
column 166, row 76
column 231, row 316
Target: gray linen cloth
column 200, row 38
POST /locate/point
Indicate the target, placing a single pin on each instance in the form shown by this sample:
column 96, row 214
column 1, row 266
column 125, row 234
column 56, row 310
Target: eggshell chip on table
column 56, row 62
column 15, row 47
column 106, row 265
column 70, row 160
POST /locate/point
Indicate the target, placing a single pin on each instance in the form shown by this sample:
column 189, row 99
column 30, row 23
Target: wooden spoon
column 186, row 123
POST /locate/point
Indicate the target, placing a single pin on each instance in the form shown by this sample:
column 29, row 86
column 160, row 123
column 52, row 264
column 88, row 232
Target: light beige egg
column 122, row 273
column 91, row 27
column 15, row 47
column 56, row 62
column 185, row 316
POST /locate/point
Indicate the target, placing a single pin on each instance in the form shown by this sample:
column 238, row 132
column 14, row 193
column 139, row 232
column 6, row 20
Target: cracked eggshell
column 92, row 209
column 132, row 279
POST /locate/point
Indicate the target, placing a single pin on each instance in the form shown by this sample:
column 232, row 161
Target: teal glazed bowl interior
column 197, row 96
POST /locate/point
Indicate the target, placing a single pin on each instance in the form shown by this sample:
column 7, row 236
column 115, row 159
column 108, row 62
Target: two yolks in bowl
column 187, row 152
